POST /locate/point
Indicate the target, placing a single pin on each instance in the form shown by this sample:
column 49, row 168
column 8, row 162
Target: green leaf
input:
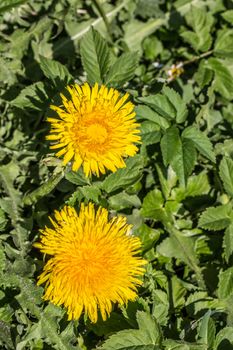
column 122, row 70
column 223, row 82
column 199, row 301
column 43, row 190
column 145, row 112
column 224, row 338
column 216, row 218
column 200, row 140
column 143, row 30
column 161, row 105
column 49, row 327
column 147, row 337
column 204, row 74
column 123, row 200
column 223, row 44
column 201, row 22
column 207, row 330
column 170, row 145
column 114, row 323
column 124, row 177
column 150, row 133
column 148, row 236
column 197, row 185
column 152, row 47
column 90, row 192
column 225, row 285
column 95, row 56
column 180, row 154
column 178, row 292
column 152, row 204
column 181, row 247
column 228, row 16
column 55, row 71
column 178, row 246
column 226, row 174
column 178, row 103
column 33, row 97
column 167, row 179
column 7, row 5
column 228, row 242
column 3, row 220
column 77, row 178
column 160, row 306
column 182, row 345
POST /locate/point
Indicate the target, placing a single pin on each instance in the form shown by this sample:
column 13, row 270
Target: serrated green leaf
column 178, row 103
column 207, row 330
column 223, row 82
column 200, row 140
column 201, row 22
column 148, row 236
column 161, row 105
column 160, row 306
column 90, row 192
column 197, row 185
column 170, row 145
column 150, row 133
column 180, row 154
column 152, row 205
column 95, row 56
column 225, row 285
column 216, row 218
column 147, row 337
column 223, row 44
column 226, row 174
column 77, row 178
column 3, row 220
column 228, row 242
column 145, row 112
column 49, row 326
column 179, row 247
column 124, row 177
column 55, row 71
column 33, row 97
column 122, row 69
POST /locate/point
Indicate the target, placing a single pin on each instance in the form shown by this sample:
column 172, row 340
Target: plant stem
column 197, row 58
column 100, row 9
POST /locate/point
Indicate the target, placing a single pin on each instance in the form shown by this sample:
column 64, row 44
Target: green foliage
column 175, row 59
column 216, row 218
column 201, row 21
column 147, row 337
column 95, row 56
column 226, row 174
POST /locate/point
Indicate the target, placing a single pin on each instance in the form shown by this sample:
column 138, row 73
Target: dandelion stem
column 100, row 9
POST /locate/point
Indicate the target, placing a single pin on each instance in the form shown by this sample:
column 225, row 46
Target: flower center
column 97, row 133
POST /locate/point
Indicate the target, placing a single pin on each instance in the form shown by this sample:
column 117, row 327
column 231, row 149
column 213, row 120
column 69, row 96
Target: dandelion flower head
column 94, row 262
column 95, row 128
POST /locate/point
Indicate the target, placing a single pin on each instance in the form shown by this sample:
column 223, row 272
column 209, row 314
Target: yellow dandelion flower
column 96, row 128
column 94, row 261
